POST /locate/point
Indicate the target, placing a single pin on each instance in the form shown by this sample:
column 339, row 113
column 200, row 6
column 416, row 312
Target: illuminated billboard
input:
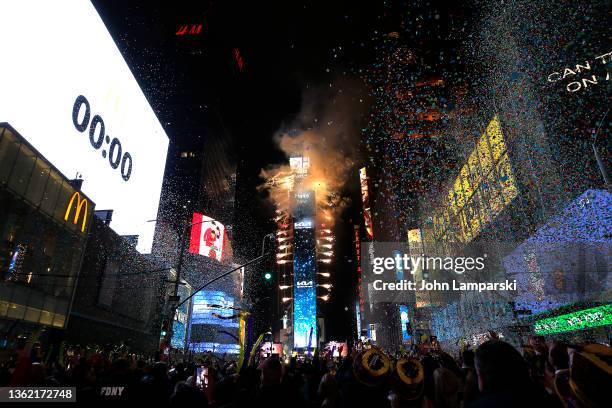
column 583, row 319
column 213, row 307
column 181, row 319
column 214, row 321
column 567, row 259
column 365, row 200
column 305, row 291
column 484, row 187
column 69, row 92
column 304, row 274
column 208, row 237
column 405, row 321
column 299, row 165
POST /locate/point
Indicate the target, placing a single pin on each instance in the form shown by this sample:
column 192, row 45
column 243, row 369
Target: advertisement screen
column 305, row 293
column 181, row 318
column 567, row 259
column 213, row 307
column 214, row 322
column 405, row 320
column 268, row 349
column 69, row 92
column 337, row 349
column 299, row 165
column 207, row 237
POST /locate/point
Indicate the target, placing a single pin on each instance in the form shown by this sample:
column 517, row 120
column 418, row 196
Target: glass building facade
column 44, row 221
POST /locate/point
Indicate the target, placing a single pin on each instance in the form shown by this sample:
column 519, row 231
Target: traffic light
column 268, row 276
column 164, row 329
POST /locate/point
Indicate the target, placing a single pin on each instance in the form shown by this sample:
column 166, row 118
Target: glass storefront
column 43, row 229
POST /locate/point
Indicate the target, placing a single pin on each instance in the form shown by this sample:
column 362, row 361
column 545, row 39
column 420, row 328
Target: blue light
column 305, row 295
column 214, row 347
column 204, row 303
column 405, row 320
column 399, row 272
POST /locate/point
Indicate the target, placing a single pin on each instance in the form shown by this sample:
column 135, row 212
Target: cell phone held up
column 201, row 377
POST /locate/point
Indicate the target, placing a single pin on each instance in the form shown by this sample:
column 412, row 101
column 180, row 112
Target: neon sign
column 188, row 29
column 239, row 59
column 582, row 319
column 80, row 203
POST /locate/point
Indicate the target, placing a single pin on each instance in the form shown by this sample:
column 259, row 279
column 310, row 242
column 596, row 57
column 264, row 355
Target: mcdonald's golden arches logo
column 80, row 203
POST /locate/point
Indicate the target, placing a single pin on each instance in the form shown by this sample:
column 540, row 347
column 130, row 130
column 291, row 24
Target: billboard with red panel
column 208, row 237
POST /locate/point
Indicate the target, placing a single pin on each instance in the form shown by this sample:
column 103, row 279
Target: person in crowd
column 446, row 386
column 186, row 395
column 155, row 387
column 503, row 379
column 271, row 392
column 496, row 375
column 328, row 391
column 469, row 380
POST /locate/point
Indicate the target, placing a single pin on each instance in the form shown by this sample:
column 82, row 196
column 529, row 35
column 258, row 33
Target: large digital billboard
column 567, row 259
column 214, row 321
column 213, row 307
column 67, row 89
column 405, row 321
column 207, row 237
column 299, row 165
column 484, row 187
column 181, row 319
column 305, row 291
column 304, row 272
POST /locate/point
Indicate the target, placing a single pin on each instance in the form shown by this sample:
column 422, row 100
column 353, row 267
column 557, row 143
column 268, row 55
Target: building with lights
column 527, row 188
column 200, row 179
column 305, row 247
column 52, row 235
column 44, row 227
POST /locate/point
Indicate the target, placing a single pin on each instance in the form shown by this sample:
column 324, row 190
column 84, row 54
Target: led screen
column 583, row 319
column 213, row 307
column 405, row 320
column 207, row 237
column 305, row 293
column 299, row 165
column 67, row 89
column 567, row 259
column 181, row 317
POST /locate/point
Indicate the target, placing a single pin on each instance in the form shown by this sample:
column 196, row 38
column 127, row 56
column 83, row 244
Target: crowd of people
column 495, row 374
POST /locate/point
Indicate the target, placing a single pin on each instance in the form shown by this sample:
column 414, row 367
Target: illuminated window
column 496, row 139
column 484, row 155
column 484, row 186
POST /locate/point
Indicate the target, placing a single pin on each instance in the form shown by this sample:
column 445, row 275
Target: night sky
column 288, row 49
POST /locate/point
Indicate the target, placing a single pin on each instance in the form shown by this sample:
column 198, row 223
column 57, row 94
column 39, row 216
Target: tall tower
column 305, row 248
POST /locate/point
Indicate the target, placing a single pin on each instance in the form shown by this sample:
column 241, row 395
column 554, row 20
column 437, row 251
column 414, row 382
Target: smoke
column 327, row 131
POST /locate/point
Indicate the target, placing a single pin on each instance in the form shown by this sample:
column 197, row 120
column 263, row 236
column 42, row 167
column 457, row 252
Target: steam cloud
column 326, row 131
